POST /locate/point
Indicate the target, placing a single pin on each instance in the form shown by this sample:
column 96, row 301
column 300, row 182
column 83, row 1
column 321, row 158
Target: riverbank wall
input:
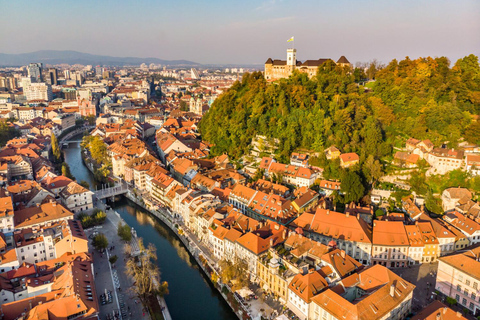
column 195, row 251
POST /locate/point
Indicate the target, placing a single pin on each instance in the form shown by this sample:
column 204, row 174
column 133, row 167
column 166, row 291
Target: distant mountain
column 74, row 57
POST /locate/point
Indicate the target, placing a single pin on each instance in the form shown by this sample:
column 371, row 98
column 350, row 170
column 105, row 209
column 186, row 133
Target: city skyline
column 248, row 32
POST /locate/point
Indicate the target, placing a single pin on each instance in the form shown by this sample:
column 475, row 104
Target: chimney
column 342, row 254
column 459, row 314
column 328, row 211
column 271, row 242
column 392, row 290
column 347, row 214
column 30, row 305
column 445, row 309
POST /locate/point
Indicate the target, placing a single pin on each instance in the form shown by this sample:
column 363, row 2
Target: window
column 471, row 306
column 475, row 285
column 459, row 288
column 464, row 302
column 457, row 297
column 467, row 282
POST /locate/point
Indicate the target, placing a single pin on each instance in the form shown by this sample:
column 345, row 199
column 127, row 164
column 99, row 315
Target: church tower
column 198, row 106
column 192, row 104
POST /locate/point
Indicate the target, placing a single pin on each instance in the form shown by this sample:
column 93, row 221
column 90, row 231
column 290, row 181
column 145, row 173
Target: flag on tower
column 290, row 40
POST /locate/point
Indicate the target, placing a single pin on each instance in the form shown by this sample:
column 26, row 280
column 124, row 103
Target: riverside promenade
column 254, row 310
column 133, row 307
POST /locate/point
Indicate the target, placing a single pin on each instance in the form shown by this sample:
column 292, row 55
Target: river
column 192, row 295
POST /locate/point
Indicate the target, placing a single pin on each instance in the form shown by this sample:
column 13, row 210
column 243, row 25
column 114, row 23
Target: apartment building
column 458, row 277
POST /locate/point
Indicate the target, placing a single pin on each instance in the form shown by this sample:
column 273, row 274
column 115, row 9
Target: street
column 423, row 277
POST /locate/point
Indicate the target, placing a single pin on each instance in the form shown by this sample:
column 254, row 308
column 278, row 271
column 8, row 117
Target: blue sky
column 224, row 31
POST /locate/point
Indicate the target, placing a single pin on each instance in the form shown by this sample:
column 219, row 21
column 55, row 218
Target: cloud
column 267, row 5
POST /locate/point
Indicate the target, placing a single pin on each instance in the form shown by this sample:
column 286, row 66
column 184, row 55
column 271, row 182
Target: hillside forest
column 426, row 98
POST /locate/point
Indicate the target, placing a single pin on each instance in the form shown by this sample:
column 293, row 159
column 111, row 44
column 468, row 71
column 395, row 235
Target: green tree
column 100, row 241
column 91, row 120
column 7, row 132
column 55, row 148
column 372, row 169
column 84, row 184
column 66, row 171
column 352, row 186
column 432, row 203
column 113, row 259
column 184, row 106
column 472, row 133
column 124, row 232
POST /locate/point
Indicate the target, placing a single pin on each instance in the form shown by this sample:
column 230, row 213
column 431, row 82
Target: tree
column 258, row 174
column 145, row 273
column 66, row 171
column 472, row 132
column 55, row 148
column 91, row 120
column 372, row 169
column 84, row 184
column 7, row 132
column 234, row 271
column 352, row 186
column 124, row 232
column 99, row 216
column 183, row 106
column 100, row 241
column 113, row 259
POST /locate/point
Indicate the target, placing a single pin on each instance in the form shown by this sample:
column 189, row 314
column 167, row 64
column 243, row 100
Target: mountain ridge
column 76, row 57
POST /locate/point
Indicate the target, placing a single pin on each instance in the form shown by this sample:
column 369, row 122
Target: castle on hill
column 278, row 69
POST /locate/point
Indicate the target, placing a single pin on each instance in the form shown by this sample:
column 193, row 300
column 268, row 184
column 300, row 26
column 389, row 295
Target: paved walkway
column 423, row 277
column 111, row 278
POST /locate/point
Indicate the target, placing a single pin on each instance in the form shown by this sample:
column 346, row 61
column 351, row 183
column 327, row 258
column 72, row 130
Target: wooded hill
column 422, row 98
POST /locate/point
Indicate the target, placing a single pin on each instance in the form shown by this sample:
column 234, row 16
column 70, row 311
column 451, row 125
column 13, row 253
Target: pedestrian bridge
column 111, row 192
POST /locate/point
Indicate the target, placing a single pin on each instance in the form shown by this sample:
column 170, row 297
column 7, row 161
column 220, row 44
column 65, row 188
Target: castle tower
column 291, row 57
column 291, row 61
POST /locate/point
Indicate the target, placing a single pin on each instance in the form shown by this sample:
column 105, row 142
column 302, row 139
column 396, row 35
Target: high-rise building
column 35, row 71
column 98, row 70
column 194, row 74
column 8, row 82
column 79, row 78
column 38, row 91
column 66, row 74
column 53, row 76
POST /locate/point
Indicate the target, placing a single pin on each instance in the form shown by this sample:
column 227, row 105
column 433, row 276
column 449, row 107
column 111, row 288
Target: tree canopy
column 423, row 98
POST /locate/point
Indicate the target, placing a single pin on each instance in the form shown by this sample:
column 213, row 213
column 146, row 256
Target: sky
column 244, row 31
